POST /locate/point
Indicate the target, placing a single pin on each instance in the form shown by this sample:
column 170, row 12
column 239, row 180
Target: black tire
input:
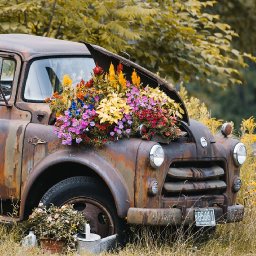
column 89, row 195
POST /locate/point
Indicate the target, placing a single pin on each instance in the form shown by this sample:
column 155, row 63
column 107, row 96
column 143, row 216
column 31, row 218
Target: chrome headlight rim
column 156, row 156
column 238, row 157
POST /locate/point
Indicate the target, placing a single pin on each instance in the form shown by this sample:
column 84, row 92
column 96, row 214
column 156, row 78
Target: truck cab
column 196, row 182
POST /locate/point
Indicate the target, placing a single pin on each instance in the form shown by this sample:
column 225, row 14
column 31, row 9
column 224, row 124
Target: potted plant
column 56, row 227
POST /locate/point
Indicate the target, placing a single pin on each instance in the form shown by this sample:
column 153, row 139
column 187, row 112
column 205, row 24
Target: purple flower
column 85, row 116
column 64, row 142
column 112, row 134
column 92, row 123
column 152, row 102
column 77, row 131
column 60, row 134
column 128, row 131
column 78, row 140
column 75, row 122
column 127, row 116
column 129, row 122
column 84, row 124
column 119, row 131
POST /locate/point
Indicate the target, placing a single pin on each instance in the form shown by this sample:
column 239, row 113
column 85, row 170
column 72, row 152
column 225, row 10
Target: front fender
column 89, row 159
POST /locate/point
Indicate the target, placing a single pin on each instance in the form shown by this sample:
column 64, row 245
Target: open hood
column 103, row 58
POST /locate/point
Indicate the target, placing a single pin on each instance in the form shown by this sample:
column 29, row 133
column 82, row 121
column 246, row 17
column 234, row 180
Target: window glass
column 45, row 75
column 7, row 69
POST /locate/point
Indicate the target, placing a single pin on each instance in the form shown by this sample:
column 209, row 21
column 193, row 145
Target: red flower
column 98, row 70
column 119, row 67
column 89, row 83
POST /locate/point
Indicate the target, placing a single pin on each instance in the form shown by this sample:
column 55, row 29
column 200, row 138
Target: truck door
column 12, row 126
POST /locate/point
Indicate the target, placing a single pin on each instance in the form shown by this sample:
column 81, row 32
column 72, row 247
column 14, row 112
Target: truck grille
column 194, row 180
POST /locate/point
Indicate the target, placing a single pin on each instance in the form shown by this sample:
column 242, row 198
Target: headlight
column 226, row 129
column 239, row 153
column 156, row 156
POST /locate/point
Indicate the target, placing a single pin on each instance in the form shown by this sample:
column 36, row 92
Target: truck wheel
column 89, row 196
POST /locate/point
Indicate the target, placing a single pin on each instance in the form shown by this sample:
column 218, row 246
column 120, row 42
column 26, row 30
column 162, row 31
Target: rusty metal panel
column 235, row 213
column 167, row 216
column 29, row 46
column 182, row 201
column 12, row 130
column 176, row 187
column 195, row 173
column 154, row 216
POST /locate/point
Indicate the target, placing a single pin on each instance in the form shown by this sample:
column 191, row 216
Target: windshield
column 45, row 75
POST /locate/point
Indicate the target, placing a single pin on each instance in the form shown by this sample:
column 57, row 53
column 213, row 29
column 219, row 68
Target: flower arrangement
column 57, row 223
column 109, row 107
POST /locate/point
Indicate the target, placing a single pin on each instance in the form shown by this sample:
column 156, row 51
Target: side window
column 7, row 70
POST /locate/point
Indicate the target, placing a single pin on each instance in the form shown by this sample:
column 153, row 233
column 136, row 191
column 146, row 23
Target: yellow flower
column 122, row 80
column 111, row 70
column 135, row 78
column 67, row 81
column 112, row 76
column 112, row 108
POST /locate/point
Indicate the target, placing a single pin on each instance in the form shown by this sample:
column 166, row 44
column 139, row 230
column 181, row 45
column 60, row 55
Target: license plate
column 205, row 217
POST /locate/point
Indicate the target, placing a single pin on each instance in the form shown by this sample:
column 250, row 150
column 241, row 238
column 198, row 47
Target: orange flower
column 80, row 95
column 135, row 78
column 112, row 75
column 121, row 79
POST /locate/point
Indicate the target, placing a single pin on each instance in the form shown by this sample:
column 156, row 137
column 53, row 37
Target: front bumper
column 176, row 216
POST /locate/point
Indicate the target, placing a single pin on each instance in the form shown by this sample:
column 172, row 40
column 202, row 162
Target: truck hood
column 103, row 58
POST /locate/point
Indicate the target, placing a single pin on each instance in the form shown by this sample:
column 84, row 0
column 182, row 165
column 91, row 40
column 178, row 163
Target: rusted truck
column 193, row 180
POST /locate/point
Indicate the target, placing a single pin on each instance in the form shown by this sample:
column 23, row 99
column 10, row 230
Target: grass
column 231, row 239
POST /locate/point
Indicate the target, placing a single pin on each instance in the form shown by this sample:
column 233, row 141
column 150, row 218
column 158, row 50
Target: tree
column 178, row 39
column 241, row 15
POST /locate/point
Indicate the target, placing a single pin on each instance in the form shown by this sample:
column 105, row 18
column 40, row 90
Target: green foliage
column 107, row 23
column 187, row 43
column 182, row 41
column 241, row 15
column 232, row 103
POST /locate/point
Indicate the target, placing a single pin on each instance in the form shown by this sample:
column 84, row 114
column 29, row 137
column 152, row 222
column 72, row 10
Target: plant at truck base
column 109, row 107
column 56, row 223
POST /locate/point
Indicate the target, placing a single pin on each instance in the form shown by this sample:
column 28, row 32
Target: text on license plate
column 205, row 217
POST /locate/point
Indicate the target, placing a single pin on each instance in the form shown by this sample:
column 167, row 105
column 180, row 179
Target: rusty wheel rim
column 96, row 214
